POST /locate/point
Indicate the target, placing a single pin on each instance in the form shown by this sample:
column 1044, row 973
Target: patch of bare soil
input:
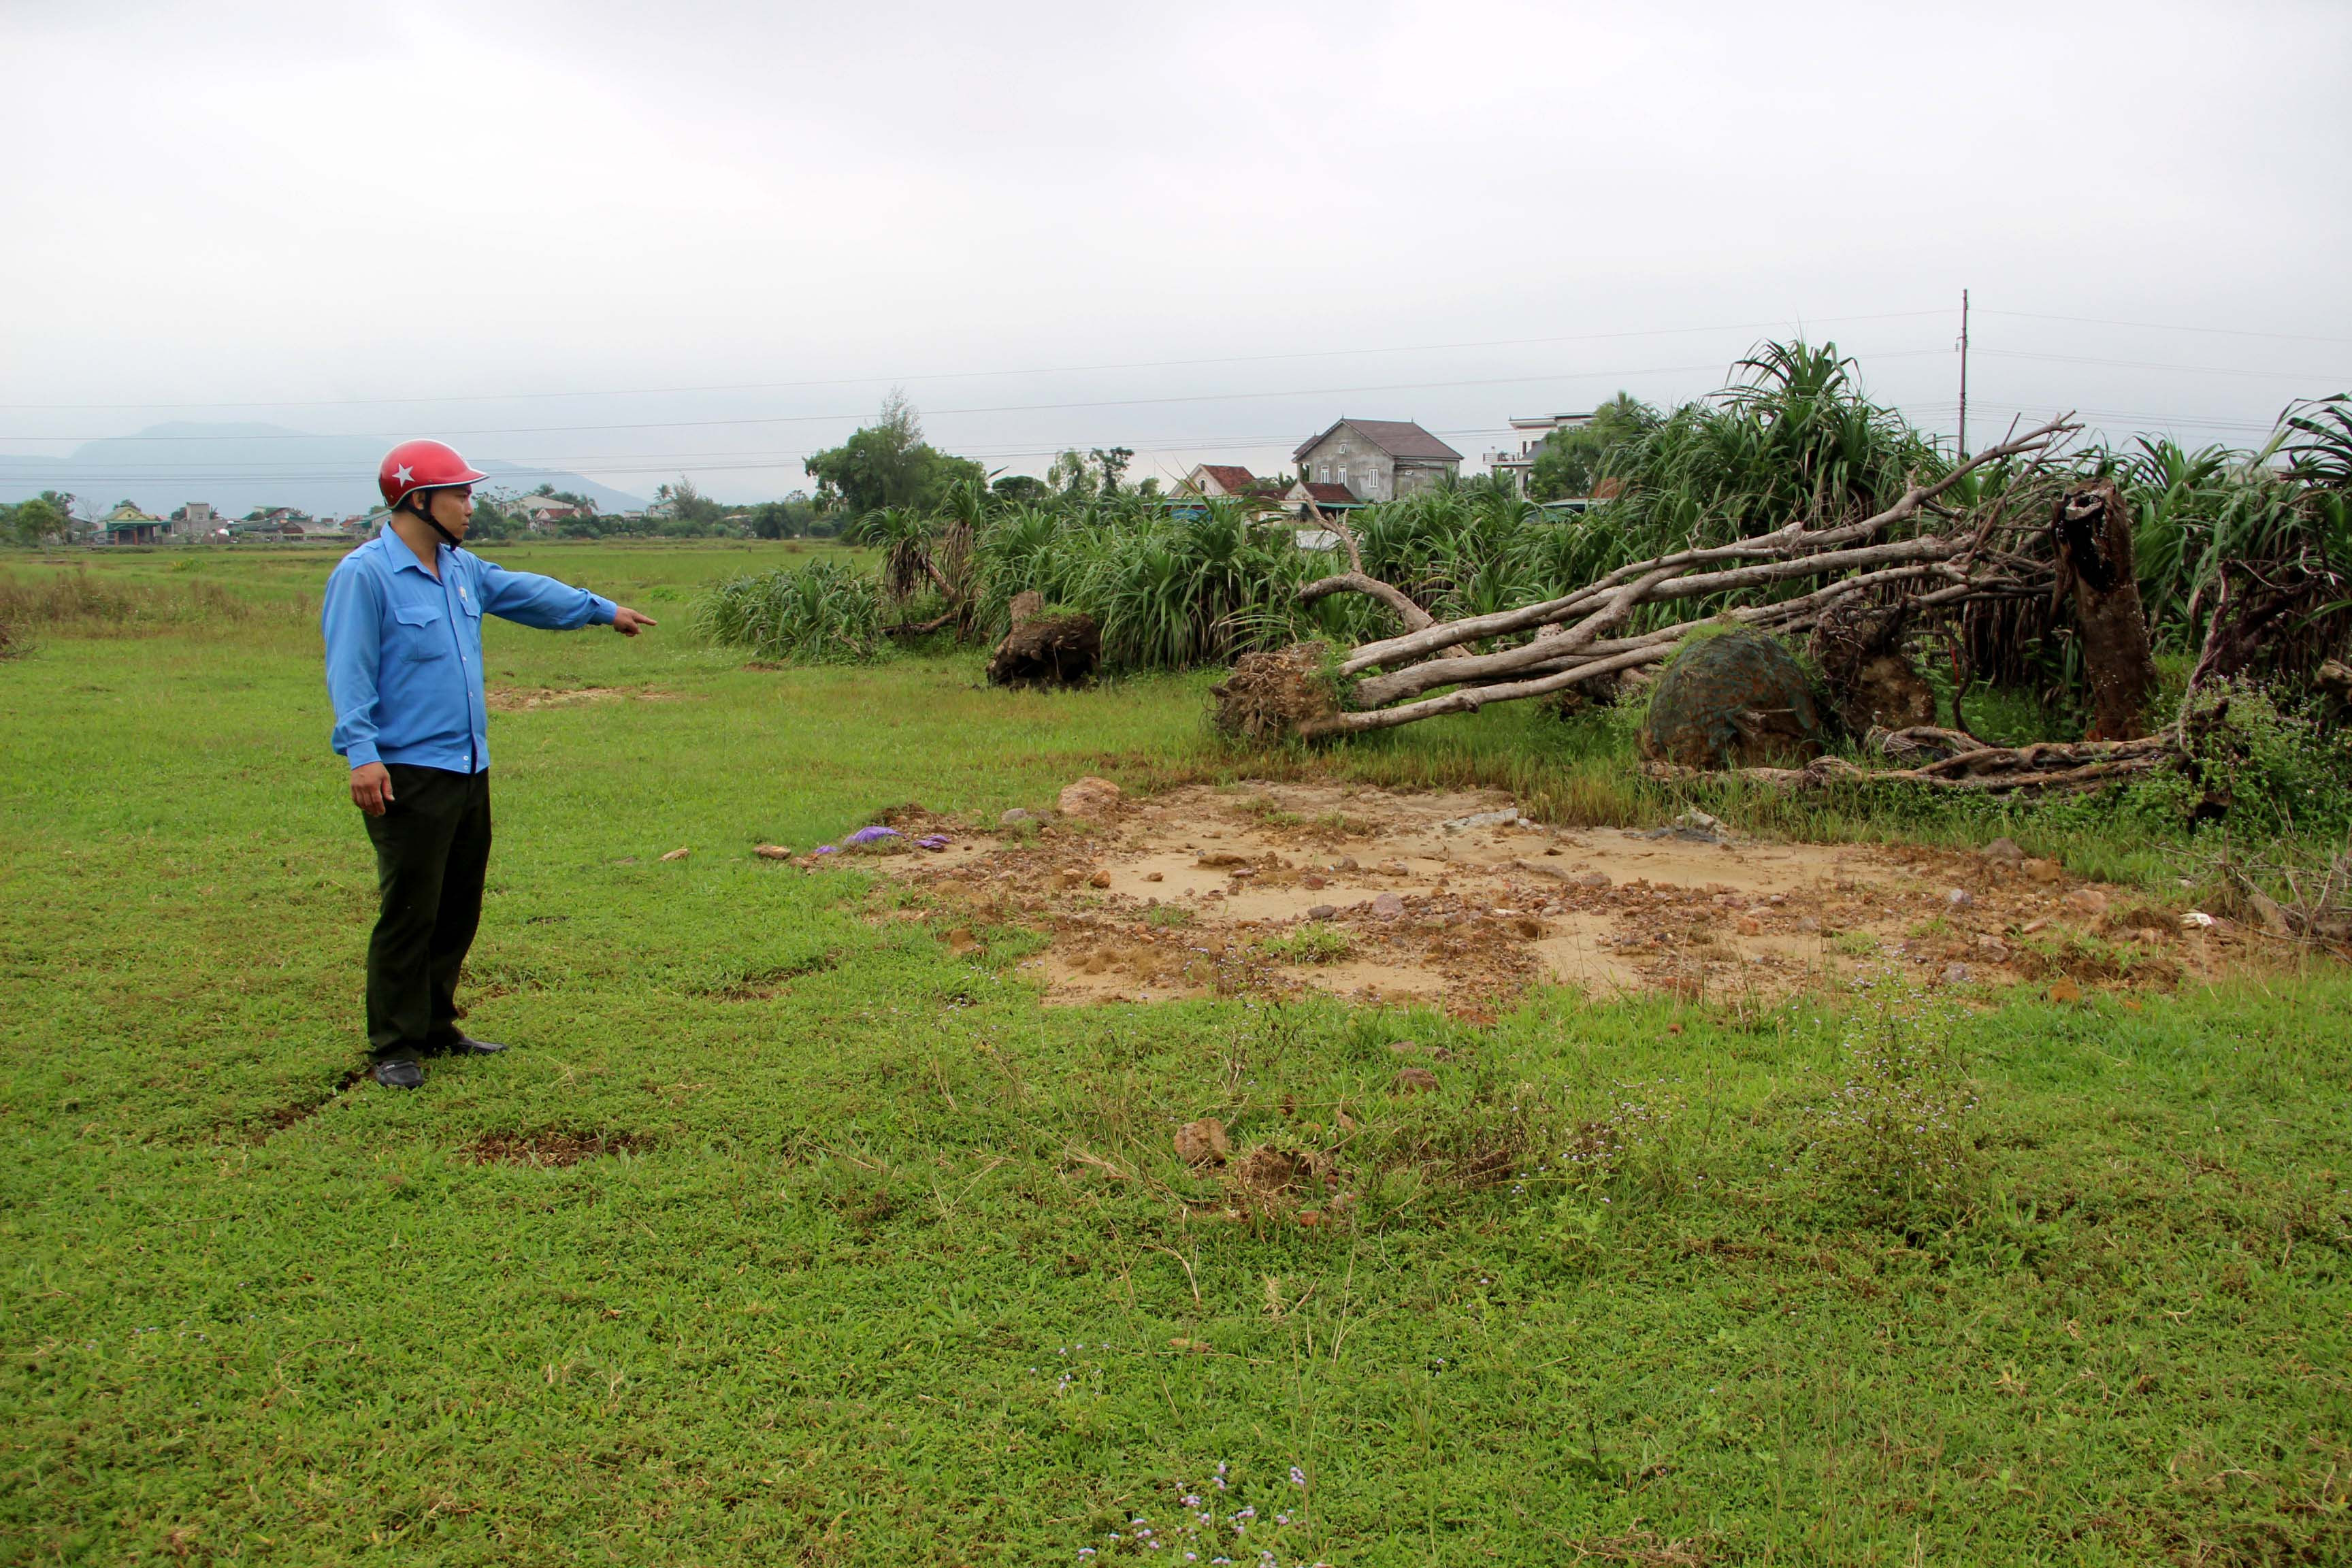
column 526, row 698
column 1454, row 899
column 552, row 1146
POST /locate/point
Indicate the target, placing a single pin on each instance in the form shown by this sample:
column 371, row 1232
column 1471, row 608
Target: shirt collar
column 402, row 556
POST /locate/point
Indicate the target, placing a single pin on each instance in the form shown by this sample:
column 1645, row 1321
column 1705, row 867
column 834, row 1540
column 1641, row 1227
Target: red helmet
column 421, row 466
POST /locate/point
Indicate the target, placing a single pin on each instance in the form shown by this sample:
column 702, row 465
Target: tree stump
column 1047, row 650
column 1735, row 699
column 2091, row 526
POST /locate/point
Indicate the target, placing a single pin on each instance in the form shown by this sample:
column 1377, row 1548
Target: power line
column 2155, row 364
column 967, row 375
column 1000, row 408
column 2168, row 327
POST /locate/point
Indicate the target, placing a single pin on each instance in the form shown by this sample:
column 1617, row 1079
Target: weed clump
column 1312, row 943
column 1895, row 1134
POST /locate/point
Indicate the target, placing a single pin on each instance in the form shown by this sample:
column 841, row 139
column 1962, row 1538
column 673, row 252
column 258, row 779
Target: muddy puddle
column 1456, row 900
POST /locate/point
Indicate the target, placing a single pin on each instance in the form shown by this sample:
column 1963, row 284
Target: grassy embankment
column 838, row 1290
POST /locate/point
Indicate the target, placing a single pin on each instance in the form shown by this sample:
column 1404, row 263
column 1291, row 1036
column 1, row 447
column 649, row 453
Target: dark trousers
column 432, row 848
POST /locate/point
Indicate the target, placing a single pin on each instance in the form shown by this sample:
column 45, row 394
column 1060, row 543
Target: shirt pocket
column 421, row 635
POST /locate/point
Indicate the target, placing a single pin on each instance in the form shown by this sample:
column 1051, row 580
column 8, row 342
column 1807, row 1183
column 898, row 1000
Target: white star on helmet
column 400, row 475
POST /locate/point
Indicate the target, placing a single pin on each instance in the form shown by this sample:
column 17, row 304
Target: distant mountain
column 238, row 467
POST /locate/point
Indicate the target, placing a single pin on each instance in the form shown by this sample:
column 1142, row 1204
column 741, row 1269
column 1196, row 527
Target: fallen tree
column 2048, row 766
column 1537, row 649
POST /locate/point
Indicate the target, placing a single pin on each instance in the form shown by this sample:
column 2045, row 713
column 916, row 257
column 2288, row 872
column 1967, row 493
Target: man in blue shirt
column 403, row 620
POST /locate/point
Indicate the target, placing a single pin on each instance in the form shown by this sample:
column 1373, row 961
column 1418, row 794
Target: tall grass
column 819, row 613
column 90, row 605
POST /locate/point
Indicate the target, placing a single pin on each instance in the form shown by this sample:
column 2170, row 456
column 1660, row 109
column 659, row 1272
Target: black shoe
column 400, row 1074
column 464, row 1045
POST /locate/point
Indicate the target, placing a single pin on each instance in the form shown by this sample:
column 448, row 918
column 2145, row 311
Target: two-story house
column 1376, row 459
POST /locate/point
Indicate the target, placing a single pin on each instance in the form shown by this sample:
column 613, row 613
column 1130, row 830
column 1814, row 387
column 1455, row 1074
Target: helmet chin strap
column 425, row 511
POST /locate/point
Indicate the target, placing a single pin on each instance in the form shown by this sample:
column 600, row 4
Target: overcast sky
column 639, row 239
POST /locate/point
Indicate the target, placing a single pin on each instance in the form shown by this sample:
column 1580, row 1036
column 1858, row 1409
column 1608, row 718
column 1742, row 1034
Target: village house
column 1530, row 433
column 126, row 525
column 1311, row 497
column 1226, row 480
column 537, row 511
column 196, row 520
column 1376, row 459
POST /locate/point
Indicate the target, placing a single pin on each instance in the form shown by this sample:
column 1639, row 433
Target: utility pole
column 1964, row 375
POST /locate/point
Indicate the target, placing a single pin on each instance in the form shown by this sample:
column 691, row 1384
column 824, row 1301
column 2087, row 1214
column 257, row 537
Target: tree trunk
column 2092, row 531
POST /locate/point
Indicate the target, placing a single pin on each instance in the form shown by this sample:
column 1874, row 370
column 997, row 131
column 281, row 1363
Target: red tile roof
column 1232, row 478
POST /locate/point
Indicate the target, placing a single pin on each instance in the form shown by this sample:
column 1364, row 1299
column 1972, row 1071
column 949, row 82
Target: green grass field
column 839, row 1288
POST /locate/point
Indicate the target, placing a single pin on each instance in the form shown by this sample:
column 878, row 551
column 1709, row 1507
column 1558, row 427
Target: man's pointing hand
column 628, row 623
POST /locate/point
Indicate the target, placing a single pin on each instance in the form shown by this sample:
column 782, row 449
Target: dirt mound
column 1088, row 797
column 1047, row 650
column 1270, row 695
column 1737, row 699
column 1455, row 899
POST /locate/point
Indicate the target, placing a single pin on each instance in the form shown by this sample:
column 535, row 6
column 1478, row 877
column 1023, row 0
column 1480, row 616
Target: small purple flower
column 1297, row 1477
column 872, row 834
column 826, row 849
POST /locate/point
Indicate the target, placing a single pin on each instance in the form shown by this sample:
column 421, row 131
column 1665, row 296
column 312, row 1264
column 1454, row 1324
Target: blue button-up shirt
column 405, row 649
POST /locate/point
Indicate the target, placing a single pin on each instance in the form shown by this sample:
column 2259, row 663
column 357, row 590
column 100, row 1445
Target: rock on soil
column 1088, row 797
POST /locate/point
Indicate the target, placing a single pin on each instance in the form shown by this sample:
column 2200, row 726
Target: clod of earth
column 680, row 853
column 772, row 852
column 1088, row 797
column 1415, row 1081
column 1202, row 1143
